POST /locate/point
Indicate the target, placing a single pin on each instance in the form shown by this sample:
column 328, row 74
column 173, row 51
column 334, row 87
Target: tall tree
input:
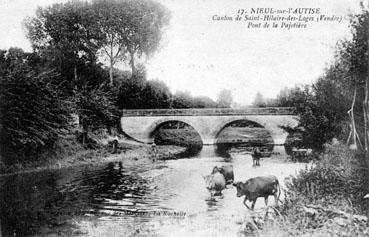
column 130, row 28
column 259, row 100
column 109, row 21
column 65, row 34
column 352, row 60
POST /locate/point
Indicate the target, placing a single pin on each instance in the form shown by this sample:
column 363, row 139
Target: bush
column 338, row 176
column 32, row 113
column 95, row 108
column 326, row 197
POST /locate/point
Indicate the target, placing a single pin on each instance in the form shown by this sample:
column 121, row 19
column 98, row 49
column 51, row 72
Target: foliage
column 130, row 91
column 323, row 108
column 156, row 95
column 32, row 111
column 130, row 28
column 65, row 35
column 41, row 90
column 136, row 92
column 259, row 100
column 338, row 177
column 182, row 100
column 203, row 102
column 324, row 199
column 95, row 108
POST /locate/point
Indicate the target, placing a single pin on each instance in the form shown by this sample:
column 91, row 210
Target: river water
column 162, row 198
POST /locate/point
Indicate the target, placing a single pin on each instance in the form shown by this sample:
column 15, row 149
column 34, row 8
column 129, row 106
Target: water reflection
column 224, row 149
column 30, row 200
column 51, row 198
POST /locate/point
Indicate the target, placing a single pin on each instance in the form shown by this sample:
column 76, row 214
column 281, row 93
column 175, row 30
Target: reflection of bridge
column 142, row 124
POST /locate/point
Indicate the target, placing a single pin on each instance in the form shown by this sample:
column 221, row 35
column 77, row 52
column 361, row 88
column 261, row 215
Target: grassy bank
column 325, row 199
column 68, row 152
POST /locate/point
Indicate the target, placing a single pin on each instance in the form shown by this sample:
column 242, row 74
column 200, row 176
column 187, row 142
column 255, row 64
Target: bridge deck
column 210, row 112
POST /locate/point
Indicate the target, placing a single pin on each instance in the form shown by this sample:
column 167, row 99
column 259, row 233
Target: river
column 161, row 198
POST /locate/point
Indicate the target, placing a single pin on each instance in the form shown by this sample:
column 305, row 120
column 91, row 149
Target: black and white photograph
column 184, row 118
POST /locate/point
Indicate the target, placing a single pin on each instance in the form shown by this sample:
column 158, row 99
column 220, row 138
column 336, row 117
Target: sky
column 204, row 56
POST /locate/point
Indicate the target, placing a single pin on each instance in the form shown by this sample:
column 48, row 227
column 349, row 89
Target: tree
column 66, row 35
column 182, row 100
column 156, row 95
column 204, row 102
column 259, row 100
column 109, row 20
column 130, row 94
column 225, row 98
column 130, row 28
column 144, row 28
column 319, row 121
column 355, row 54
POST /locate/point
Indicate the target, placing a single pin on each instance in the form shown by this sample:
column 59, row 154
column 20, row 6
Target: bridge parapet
column 210, row 112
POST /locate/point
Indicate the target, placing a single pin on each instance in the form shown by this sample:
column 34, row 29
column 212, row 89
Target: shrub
column 337, row 176
column 324, row 197
column 95, row 108
column 32, row 113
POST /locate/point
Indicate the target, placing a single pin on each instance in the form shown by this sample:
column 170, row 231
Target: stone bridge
column 142, row 124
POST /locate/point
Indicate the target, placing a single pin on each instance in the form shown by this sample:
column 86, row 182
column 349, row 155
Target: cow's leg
column 244, row 203
column 253, row 204
column 266, row 200
column 276, row 198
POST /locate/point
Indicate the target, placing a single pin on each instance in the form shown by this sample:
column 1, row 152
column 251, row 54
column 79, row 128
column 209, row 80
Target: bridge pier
column 279, row 151
column 208, row 141
column 280, row 138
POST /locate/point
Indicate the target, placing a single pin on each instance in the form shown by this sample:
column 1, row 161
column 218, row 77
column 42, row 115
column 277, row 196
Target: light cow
column 226, row 171
column 215, row 182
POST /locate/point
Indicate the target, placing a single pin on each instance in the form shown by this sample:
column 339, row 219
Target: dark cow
column 115, row 146
column 215, row 182
column 256, row 154
column 261, row 186
column 226, row 171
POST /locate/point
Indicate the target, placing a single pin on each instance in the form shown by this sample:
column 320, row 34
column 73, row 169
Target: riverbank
column 326, row 199
column 68, row 153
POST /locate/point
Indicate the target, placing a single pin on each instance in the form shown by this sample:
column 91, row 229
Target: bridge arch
column 250, row 123
column 157, row 124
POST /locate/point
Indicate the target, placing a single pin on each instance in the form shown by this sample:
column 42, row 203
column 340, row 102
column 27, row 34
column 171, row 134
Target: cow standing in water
column 115, row 146
column 215, row 183
column 256, row 154
column 226, row 171
column 261, row 186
